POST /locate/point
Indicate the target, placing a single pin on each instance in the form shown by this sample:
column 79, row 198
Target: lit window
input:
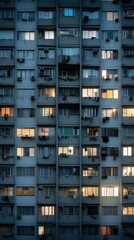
column 6, row 112
column 46, row 210
column 128, row 151
column 111, row 113
column 128, row 210
column 109, row 54
column 128, row 171
column 25, row 152
column 92, row 34
column 109, row 230
column 90, row 151
column 87, row 73
column 110, row 93
column 90, row 191
column 45, row 14
column 69, row 12
column 128, row 112
column 90, row 92
column 25, row 132
column 49, row 35
column 26, row 36
column 25, row 191
column 109, row 16
column 110, row 191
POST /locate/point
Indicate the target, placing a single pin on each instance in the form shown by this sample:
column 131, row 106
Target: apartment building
column 66, row 119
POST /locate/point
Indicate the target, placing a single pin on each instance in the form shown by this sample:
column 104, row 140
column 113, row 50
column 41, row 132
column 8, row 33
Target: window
column 65, row 151
column 68, row 191
column 48, row 34
column 6, row 92
column 128, row 33
column 26, row 152
column 109, row 171
column 48, row 73
column 50, row 53
column 25, row 171
column 89, row 54
column 93, row 73
column 25, row 93
column 110, row 151
column 69, row 51
column 90, row 34
column 128, row 210
column 110, row 35
column 128, row 92
column 46, row 210
column 6, row 171
column 69, row 111
column 6, row 191
column 110, row 93
column 128, row 112
column 28, row 36
column 6, row 53
column 45, row 14
column 68, row 131
column 128, row 53
column 68, row 12
column 91, row 132
column 90, row 172
column 109, row 230
column 90, row 92
column 6, row 35
column 90, row 151
column 46, row 111
column 91, row 14
column 68, row 74
column 90, row 191
column 128, row 191
column 109, row 16
column 25, row 230
column 128, row 13
column 109, row 54
column 47, row 171
column 25, row 132
column 6, row 14
column 46, row 230
column 110, row 132
column 25, row 73
column 128, row 131
column 68, row 210
column 25, row 191
column 68, row 171
column 72, row 32
column 26, row 54
column 25, row 16
column 109, row 210
column 6, row 112
column 6, row 152
column 68, row 92
column 67, row 230
column 6, row 131
column 90, row 230
column 110, row 191
column 109, row 74
column 128, row 171
column 6, row 72
column 47, row 92
column 47, row 191
column 90, row 210
column 25, row 210
column 25, row 112
column 47, row 131
column 111, row 113
column 89, row 112
column 6, row 230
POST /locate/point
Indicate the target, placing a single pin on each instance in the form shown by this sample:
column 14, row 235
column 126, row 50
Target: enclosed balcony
column 70, row 160
column 68, row 219
column 91, row 3
column 47, row 179
column 47, row 3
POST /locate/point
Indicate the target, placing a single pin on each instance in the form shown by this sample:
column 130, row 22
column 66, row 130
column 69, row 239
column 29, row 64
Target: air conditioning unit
column 20, row 60
column 32, row 98
column 85, row 19
column 46, row 49
column 19, row 79
column 32, row 78
column 130, row 98
column 19, row 217
column 40, row 187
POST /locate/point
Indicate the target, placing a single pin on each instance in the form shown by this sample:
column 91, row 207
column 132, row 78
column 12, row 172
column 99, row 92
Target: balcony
column 69, row 199
column 128, row 179
column 69, row 40
column 47, row 199
column 92, row 62
column 66, row 140
column 128, row 41
column 47, row 219
column 6, row 200
column 128, row 61
column 69, row 180
column 45, row 160
column 6, row 100
column 91, row 3
column 6, row 120
column 68, row 219
column 41, row 23
column 91, row 81
column 128, row 140
column 64, row 59
column 68, row 99
column 69, row 160
column 7, row 23
column 129, row 160
column 46, row 3
column 7, row 62
column 90, row 219
column 7, row 4
column 128, row 120
column 90, row 160
column 46, row 42
column 127, row 219
column 92, row 101
column 90, row 200
column 68, row 81
column 46, row 61
column 7, row 81
column 69, row 119
column 93, row 121
column 90, row 140
column 69, row 3
column 7, row 160
column 7, row 139
column 90, row 180
column 69, row 21
column 46, row 120
column 7, row 42
column 47, row 100
column 128, row 199
column 127, row 22
column 46, row 179
column 7, row 180
column 128, row 81
column 90, row 22
column 46, row 81
column 93, row 42
column 45, row 140
column 7, row 219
